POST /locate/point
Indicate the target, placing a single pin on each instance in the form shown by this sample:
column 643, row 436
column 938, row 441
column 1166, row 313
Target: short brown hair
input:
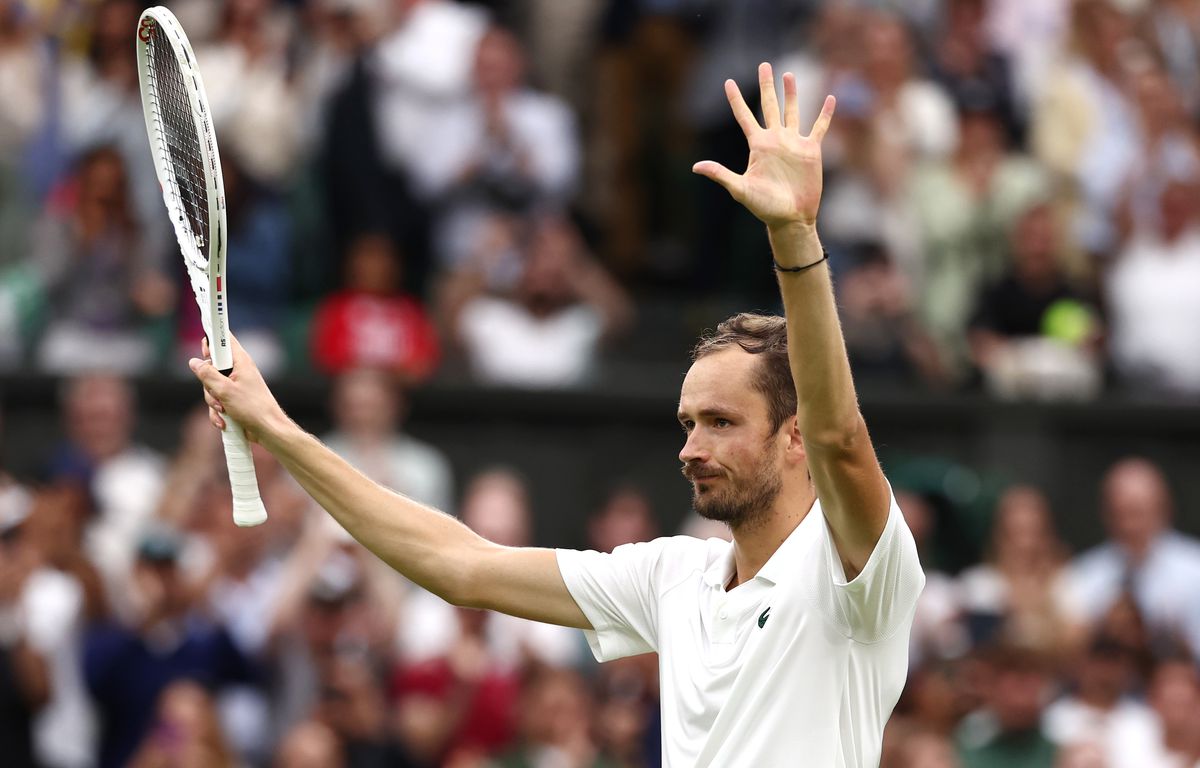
column 764, row 335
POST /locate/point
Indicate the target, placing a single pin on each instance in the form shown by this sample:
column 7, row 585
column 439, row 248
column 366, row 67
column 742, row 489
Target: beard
column 743, row 500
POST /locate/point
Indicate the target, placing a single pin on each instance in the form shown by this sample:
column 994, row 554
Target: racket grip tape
column 248, row 509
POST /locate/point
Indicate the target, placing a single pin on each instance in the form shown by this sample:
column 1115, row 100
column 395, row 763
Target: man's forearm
column 827, row 406
column 428, row 547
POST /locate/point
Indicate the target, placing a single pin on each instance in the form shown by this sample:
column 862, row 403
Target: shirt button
column 723, row 615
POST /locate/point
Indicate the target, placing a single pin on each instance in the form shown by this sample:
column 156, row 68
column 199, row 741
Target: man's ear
column 795, row 443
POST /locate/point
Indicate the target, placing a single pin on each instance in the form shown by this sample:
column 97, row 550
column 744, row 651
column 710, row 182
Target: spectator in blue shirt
column 128, row 665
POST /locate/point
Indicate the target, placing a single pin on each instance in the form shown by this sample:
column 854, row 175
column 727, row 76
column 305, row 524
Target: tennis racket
column 184, row 146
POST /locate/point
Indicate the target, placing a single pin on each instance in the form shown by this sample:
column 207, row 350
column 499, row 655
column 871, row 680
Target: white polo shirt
column 795, row 667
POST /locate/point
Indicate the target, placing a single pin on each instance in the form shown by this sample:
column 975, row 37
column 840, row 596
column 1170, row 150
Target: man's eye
column 686, row 426
column 722, row 423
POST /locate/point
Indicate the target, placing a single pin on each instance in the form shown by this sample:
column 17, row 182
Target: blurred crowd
column 140, row 627
column 1012, row 203
column 502, row 188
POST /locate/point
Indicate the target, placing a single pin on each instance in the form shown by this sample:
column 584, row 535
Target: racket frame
column 248, row 508
column 160, row 21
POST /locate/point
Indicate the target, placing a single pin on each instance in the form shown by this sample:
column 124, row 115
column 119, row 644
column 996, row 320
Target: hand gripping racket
column 184, row 146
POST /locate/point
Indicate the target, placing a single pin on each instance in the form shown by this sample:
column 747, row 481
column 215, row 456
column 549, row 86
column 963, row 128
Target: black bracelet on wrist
column 793, row 270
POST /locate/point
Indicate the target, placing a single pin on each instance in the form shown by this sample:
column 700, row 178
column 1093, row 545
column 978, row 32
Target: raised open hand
column 782, row 182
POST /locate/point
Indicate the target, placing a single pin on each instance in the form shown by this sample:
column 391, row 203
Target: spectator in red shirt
column 370, row 323
column 461, row 705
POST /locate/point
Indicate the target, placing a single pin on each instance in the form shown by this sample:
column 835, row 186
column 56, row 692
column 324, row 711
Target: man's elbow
column 466, row 583
column 835, row 436
column 456, row 590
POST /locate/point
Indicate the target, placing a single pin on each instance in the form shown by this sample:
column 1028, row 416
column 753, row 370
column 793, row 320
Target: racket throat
column 226, row 372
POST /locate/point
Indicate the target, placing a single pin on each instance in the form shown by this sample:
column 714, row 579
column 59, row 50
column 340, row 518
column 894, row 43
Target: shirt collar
column 719, row 573
column 783, row 560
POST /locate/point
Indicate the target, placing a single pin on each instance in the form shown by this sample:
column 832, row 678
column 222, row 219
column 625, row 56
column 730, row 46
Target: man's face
column 499, row 63
column 1174, row 695
column 732, row 456
column 365, row 404
column 99, row 412
column 1017, row 698
column 498, row 510
column 1137, row 504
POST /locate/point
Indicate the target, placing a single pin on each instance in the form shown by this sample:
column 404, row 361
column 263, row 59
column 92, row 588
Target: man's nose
column 693, row 450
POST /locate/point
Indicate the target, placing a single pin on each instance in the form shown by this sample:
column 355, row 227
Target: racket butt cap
column 248, row 515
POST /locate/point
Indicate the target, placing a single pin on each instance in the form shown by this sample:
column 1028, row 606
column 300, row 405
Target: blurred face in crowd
column 732, row 456
column 1035, row 246
column 497, row 508
column 102, row 183
column 1175, row 696
column 1137, row 504
column 499, row 63
column 621, row 726
column 366, row 404
column 241, row 14
column 940, row 694
column 310, row 745
column 888, row 51
column 324, row 621
column 186, row 713
column 372, row 265
column 1159, row 105
column 546, row 284
column 1099, row 29
column 929, row 750
column 336, row 606
column 55, row 524
column 837, row 34
column 1177, row 208
column 981, row 135
column 352, row 701
column 1016, row 697
column 626, row 518
column 874, row 290
column 159, row 587
column 1022, row 532
column 556, row 708
column 110, row 41
column 1086, row 755
column 99, row 415
column 1106, row 672
column 10, row 17
column 965, row 19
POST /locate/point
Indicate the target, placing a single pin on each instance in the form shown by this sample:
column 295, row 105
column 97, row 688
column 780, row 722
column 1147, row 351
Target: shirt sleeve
column 883, row 596
column 618, row 593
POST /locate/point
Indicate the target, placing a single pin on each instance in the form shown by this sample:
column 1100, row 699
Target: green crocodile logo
column 762, row 617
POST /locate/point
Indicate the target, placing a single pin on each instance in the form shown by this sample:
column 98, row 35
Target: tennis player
column 786, row 647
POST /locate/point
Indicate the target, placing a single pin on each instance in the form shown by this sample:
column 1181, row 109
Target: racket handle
column 248, row 509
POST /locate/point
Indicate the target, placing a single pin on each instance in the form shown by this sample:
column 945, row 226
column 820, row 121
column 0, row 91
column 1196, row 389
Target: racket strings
column 180, row 144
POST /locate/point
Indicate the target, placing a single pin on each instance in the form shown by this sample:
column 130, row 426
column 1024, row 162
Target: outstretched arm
column 430, row 548
column 782, row 187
